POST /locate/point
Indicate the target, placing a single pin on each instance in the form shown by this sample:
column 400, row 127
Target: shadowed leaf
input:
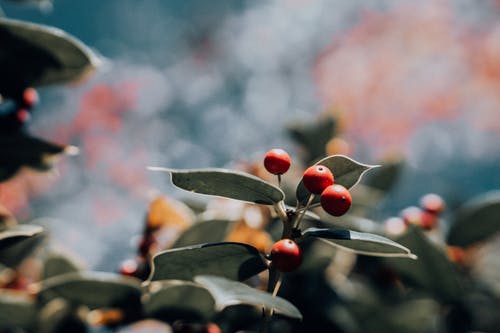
column 227, row 293
column 432, row 271
column 19, row 242
column 203, row 232
column 93, row 289
column 36, row 55
column 16, row 310
column 476, row 221
column 226, row 183
column 58, row 264
column 234, row 261
column 174, row 300
column 360, row 242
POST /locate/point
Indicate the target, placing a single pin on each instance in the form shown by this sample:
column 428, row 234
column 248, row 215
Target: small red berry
column 336, row 200
column 286, row 255
column 129, row 267
column 316, row 178
column 432, row 203
column 30, row 97
column 277, row 161
column 23, row 116
column 411, row 215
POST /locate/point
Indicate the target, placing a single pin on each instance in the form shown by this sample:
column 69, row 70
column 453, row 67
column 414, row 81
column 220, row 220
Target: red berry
column 23, row 116
column 336, row 200
column 30, row 97
column 432, row 203
column 411, row 215
column 286, row 255
column 316, row 178
column 277, row 161
column 129, row 267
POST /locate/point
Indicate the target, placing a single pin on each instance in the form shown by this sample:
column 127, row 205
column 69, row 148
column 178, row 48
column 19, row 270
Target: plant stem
column 309, row 201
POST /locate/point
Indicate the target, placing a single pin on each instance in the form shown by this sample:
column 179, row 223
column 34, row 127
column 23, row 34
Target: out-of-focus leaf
column 36, row 55
column 386, row 176
column 179, row 300
column 93, row 289
column 226, row 183
column 346, row 172
column 227, row 293
column 7, row 220
column 313, row 137
column 203, row 232
column 16, row 310
column 58, row 316
column 476, row 221
column 58, row 264
column 234, row 261
column 360, row 242
column 432, row 271
column 20, row 149
column 19, row 242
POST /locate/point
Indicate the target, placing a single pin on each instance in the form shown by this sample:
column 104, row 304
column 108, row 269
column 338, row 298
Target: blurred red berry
column 277, row 161
column 23, row 116
column 30, row 97
column 411, row 215
column 432, row 203
column 286, row 255
column 316, row 178
column 129, row 267
column 336, row 200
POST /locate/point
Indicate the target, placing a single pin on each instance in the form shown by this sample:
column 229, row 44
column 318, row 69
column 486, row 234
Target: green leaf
column 36, row 55
column 313, row 136
column 360, row 242
column 16, row 310
column 432, row 271
column 236, row 261
column 58, row 264
column 93, row 289
column 227, row 293
column 226, row 183
column 386, row 176
column 20, row 149
column 179, row 300
column 17, row 243
column 203, row 232
column 57, row 316
column 346, row 172
column 476, row 221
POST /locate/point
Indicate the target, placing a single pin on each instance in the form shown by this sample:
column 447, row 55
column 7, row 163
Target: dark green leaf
column 16, row 310
column 19, row 242
column 58, row 264
column 174, row 300
column 313, row 137
column 59, row 316
column 35, row 55
column 203, row 232
column 360, row 242
column 226, row 183
column 476, row 221
column 227, row 293
column 93, row 289
column 235, row 261
column 20, row 149
column 346, row 172
column 432, row 271
column 386, row 176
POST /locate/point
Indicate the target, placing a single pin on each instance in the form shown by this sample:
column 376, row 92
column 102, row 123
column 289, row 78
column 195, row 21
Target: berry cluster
column 335, row 199
column 16, row 111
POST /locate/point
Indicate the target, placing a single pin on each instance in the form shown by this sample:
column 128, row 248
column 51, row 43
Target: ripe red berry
column 336, row 200
column 286, row 255
column 129, row 267
column 411, row 215
column 432, row 203
column 30, row 97
column 277, row 161
column 316, row 178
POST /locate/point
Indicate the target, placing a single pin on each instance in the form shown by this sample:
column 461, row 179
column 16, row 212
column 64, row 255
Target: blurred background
column 192, row 84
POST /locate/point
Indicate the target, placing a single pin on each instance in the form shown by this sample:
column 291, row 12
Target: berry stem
column 279, row 179
column 280, row 209
column 299, row 219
